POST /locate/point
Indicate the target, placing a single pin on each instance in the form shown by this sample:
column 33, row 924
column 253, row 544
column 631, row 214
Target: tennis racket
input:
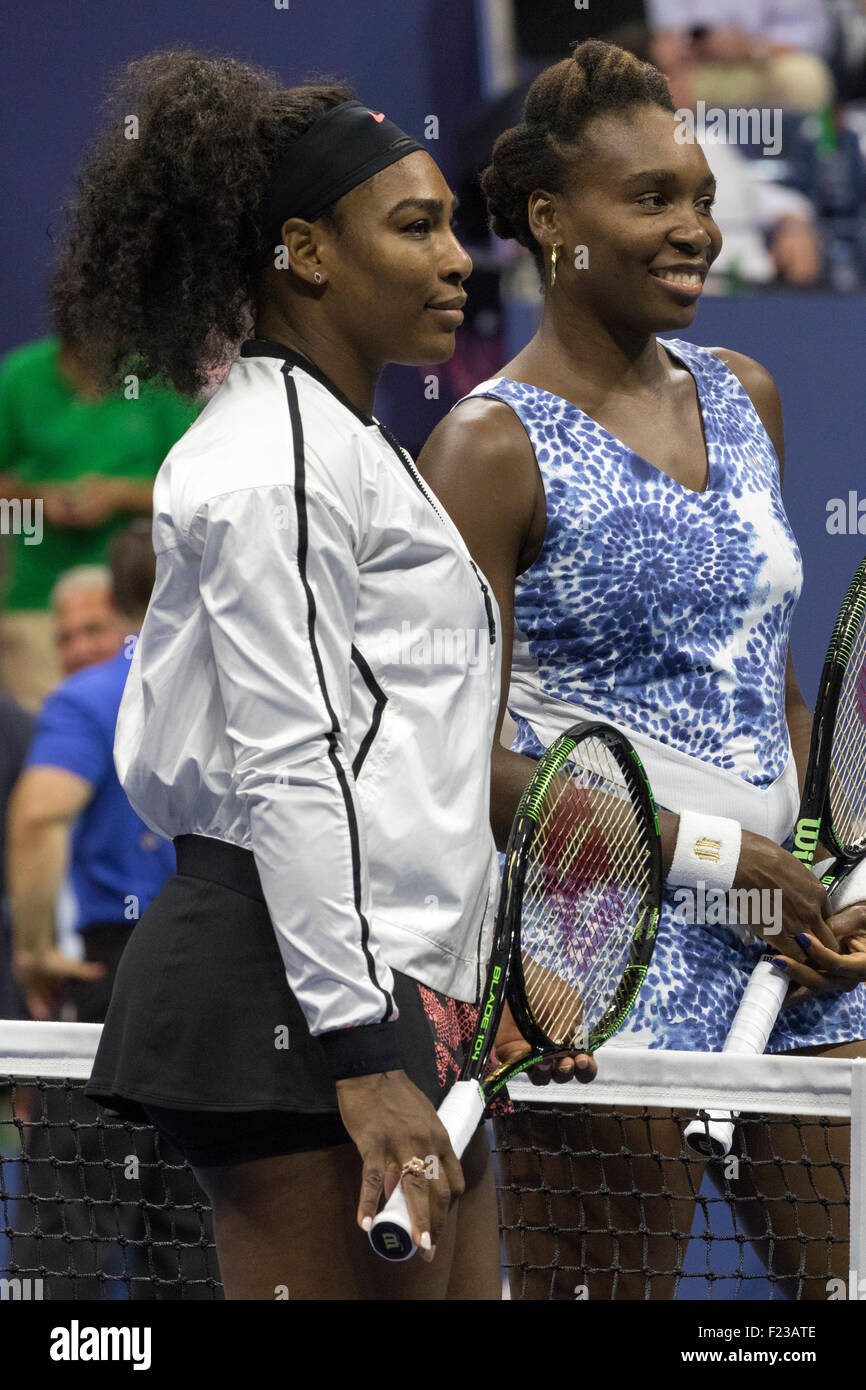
column 575, row 928
column 833, row 810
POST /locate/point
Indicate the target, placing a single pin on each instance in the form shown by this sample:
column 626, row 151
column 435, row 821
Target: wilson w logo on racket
column 832, row 811
column 575, row 929
column 806, row 839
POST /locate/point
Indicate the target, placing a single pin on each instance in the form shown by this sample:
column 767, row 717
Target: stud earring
column 317, row 277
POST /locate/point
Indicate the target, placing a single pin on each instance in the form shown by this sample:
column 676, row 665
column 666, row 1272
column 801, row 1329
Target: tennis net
column 599, row 1197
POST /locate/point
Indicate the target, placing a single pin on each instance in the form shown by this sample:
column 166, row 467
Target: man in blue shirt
column 68, row 808
column 16, row 731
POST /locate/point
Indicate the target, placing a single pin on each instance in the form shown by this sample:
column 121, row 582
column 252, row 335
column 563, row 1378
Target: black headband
column 343, row 148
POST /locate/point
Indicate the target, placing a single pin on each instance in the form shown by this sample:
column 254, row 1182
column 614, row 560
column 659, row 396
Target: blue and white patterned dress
column 667, row 612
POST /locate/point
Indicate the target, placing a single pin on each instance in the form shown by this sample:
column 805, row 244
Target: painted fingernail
column 803, row 939
column 366, row 1223
column 426, row 1243
column 780, row 964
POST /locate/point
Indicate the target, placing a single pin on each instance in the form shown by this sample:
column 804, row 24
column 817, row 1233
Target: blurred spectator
column 87, row 626
column 768, row 228
column 16, row 729
column 849, row 66
column 87, row 629
column 90, row 459
column 68, row 804
column 747, row 52
column 68, row 807
column 792, row 220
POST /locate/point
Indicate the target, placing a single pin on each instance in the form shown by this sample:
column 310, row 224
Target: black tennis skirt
column 204, row 1038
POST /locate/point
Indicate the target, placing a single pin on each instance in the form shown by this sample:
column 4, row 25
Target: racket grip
column 460, row 1112
column 750, row 1031
column 712, row 1136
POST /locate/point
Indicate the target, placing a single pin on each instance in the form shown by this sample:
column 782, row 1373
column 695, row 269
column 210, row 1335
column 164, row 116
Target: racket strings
column 564, row 1008
column 848, row 757
column 545, row 987
column 589, row 870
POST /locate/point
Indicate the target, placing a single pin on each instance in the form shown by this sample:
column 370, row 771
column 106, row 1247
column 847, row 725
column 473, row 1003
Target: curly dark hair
column 544, row 152
column 160, row 263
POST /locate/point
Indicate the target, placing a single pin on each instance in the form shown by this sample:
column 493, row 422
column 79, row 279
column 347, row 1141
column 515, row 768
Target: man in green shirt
column 75, row 467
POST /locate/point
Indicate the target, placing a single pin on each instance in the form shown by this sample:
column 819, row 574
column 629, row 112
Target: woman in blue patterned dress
column 622, row 495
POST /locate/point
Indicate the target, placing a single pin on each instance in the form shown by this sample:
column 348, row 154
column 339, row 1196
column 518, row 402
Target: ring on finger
column 415, row 1166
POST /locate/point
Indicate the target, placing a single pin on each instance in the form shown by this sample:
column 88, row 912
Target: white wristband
column 707, row 852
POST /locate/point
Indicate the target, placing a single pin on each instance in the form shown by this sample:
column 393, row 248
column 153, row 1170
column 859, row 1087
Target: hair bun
column 596, row 79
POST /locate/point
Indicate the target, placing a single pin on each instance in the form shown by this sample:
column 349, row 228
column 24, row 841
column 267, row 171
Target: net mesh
column 599, row 1197
column 605, row 1203
column 95, row 1208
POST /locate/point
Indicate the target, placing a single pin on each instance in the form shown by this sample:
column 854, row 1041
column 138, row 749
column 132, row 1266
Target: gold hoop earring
column 553, row 255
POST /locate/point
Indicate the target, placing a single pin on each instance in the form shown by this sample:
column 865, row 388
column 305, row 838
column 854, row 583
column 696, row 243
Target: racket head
column 580, row 893
column 845, row 881
column 844, row 818
column 833, row 808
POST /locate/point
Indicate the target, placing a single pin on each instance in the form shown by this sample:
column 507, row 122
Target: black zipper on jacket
column 263, row 347
column 419, row 483
column 491, row 623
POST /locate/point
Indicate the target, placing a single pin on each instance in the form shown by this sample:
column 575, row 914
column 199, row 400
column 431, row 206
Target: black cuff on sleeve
column 360, row 1051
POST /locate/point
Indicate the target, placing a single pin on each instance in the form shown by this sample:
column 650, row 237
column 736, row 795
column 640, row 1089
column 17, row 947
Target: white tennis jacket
column 317, row 680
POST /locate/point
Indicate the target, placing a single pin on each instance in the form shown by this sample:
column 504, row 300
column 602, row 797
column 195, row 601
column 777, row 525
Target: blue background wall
column 409, row 58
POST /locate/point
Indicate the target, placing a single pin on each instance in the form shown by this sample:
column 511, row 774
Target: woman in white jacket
column 294, row 1003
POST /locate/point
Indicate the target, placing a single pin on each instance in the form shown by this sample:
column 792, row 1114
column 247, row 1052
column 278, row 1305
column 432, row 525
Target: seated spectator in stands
column 747, row 52
column 68, row 807
column 16, row 729
column 91, row 460
column 87, row 626
column 87, row 629
column 769, row 227
column 850, row 60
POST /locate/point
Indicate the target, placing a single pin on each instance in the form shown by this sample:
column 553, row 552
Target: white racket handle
column 460, row 1112
column 753, row 1023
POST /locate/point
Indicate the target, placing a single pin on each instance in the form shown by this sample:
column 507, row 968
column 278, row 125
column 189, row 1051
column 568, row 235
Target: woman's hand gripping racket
column 833, row 811
column 575, row 929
